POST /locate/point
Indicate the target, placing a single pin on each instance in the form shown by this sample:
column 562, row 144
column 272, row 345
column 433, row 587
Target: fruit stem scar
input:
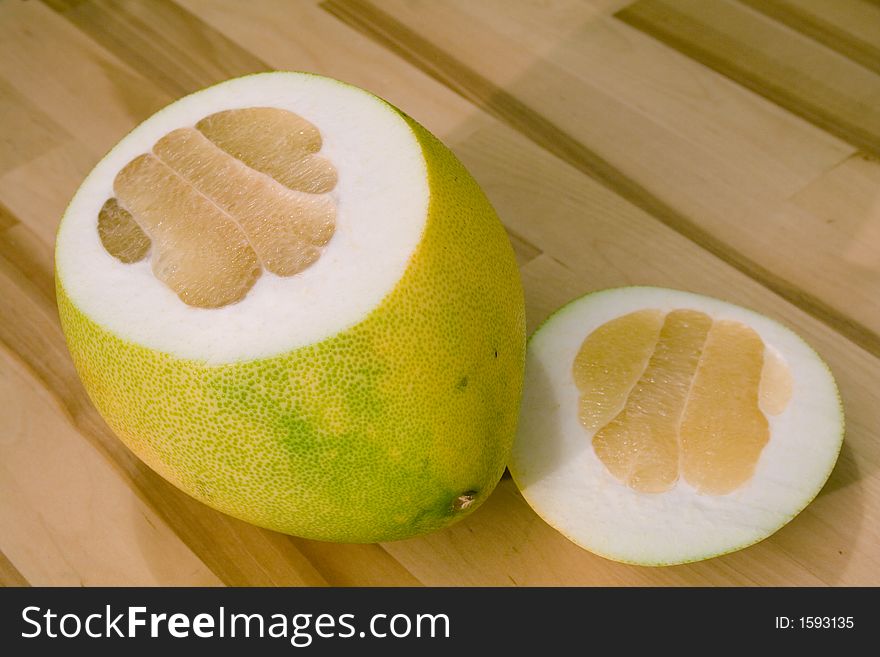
column 464, row 500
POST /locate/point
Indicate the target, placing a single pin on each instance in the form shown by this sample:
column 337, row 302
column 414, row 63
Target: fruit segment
column 249, row 176
column 640, row 445
column 775, row 389
column 198, row 251
column 723, row 431
column 610, row 362
column 689, row 402
column 275, row 142
column 120, row 234
column 285, row 228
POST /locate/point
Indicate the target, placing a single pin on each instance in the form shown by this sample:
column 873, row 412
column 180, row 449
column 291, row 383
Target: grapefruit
column 661, row 427
column 296, row 305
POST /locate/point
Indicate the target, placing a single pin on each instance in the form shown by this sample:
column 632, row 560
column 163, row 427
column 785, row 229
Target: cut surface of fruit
column 294, row 303
column 120, row 234
column 722, row 430
column 276, row 142
column 660, row 426
column 301, row 200
column 240, row 192
column 684, row 401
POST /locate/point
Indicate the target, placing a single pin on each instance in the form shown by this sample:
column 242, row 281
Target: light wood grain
column 64, row 504
column 781, row 64
column 166, row 44
column 615, row 155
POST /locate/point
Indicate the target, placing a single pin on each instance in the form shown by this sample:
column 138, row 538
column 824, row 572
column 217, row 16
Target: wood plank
column 27, row 131
column 851, row 27
column 820, row 85
column 38, row 192
column 311, row 39
column 730, row 132
column 63, row 504
column 736, row 127
column 845, row 198
column 660, row 154
column 75, row 82
column 9, row 575
column 175, row 49
column 347, row 564
column 7, row 219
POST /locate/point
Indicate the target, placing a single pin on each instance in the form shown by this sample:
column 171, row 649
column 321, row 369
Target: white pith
column 381, row 197
column 559, row 474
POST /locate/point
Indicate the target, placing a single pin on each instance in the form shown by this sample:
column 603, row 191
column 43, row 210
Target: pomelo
column 295, row 304
column 662, row 427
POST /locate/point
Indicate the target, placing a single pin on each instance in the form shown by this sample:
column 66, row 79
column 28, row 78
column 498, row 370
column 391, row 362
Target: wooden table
column 728, row 147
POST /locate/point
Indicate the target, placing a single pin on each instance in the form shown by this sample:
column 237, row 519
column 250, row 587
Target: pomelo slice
column 295, row 304
column 661, row 427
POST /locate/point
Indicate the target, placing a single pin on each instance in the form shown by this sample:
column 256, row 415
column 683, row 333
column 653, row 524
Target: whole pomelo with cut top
column 296, row 305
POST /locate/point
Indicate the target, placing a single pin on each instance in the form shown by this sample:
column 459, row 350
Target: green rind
column 369, row 435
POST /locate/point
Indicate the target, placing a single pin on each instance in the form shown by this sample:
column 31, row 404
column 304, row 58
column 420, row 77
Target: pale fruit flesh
column 120, row 233
column 775, row 389
column 275, row 142
column 285, row 228
column 722, row 429
column 678, row 396
column 199, row 252
column 610, row 363
column 240, row 193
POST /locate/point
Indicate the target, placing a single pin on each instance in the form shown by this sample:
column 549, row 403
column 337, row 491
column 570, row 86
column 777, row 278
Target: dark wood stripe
column 23, row 250
column 440, row 65
column 524, row 250
column 865, row 53
column 7, row 219
column 347, row 564
column 176, row 50
column 63, row 5
column 9, row 575
column 729, row 38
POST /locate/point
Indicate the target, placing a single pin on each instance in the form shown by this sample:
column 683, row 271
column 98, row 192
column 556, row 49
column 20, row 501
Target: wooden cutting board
column 720, row 146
